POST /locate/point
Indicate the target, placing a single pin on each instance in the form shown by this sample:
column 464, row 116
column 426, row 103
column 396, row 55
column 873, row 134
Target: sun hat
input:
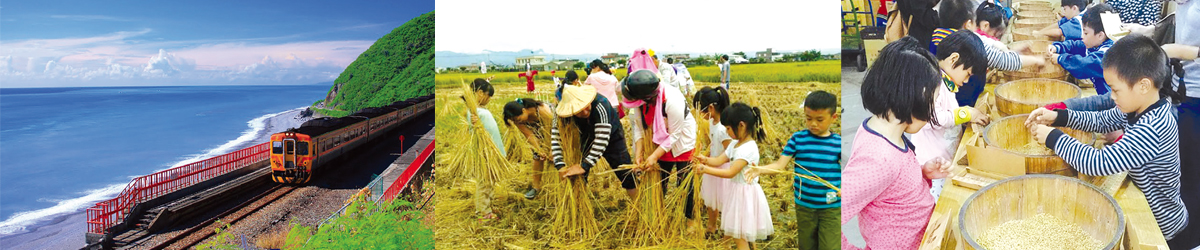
column 574, row 99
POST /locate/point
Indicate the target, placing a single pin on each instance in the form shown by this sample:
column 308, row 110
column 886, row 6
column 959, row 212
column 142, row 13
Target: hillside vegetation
column 397, row 67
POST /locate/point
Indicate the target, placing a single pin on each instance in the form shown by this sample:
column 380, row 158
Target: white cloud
column 121, row 58
column 161, row 64
column 6, row 64
column 49, row 66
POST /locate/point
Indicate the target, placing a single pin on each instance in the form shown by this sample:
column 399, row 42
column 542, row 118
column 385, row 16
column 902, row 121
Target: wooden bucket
column 1023, row 96
column 1010, row 135
column 1036, row 14
column 1032, row 23
column 1026, row 34
column 1035, row 7
column 1021, row 197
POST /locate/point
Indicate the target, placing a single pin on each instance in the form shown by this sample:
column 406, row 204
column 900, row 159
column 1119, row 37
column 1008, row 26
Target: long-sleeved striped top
column 1002, row 59
column 598, row 129
column 1149, row 151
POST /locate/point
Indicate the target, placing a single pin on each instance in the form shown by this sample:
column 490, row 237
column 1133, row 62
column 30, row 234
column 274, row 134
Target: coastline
column 48, row 228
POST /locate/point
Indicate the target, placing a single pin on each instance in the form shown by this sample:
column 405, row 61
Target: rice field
column 530, row 224
column 817, row 71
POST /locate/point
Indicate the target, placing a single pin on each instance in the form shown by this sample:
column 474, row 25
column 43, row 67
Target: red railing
column 107, row 213
column 402, row 182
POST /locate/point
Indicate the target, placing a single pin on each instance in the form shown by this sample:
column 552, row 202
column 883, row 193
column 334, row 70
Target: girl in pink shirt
column 883, row 185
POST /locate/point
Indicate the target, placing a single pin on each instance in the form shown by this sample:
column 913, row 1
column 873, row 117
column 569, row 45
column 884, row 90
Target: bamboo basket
column 1026, row 34
column 1033, row 3
column 1037, row 46
column 1010, row 135
column 1035, row 7
column 1032, row 23
column 1023, row 96
column 1023, row 197
column 1036, row 14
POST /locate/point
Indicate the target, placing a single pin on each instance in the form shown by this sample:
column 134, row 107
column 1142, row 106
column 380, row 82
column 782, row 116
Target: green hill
column 397, row 67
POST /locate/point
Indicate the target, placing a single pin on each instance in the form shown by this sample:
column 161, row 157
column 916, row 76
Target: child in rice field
column 572, row 78
column 960, row 54
column 883, row 184
column 533, row 119
column 815, row 151
column 483, row 194
column 711, row 101
column 745, row 214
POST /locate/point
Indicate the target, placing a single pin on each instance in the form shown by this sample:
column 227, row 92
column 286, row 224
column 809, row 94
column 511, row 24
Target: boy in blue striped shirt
column 1138, row 70
column 816, row 152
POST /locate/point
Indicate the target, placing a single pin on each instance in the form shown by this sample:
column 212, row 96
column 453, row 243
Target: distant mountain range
column 453, row 59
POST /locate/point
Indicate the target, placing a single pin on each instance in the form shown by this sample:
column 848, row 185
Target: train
column 296, row 152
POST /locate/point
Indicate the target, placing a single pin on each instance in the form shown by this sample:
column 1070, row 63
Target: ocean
column 64, row 149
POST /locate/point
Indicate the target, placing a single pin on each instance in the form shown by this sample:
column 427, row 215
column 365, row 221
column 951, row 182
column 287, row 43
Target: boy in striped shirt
column 816, row 152
column 1138, row 70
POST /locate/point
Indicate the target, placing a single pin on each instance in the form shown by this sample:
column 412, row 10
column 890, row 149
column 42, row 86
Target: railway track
column 197, row 234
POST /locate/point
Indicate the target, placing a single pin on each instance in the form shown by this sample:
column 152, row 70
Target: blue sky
column 155, row 43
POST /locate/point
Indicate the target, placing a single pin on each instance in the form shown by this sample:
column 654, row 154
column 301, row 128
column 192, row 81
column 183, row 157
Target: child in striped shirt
column 817, row 152
column 1149, row 150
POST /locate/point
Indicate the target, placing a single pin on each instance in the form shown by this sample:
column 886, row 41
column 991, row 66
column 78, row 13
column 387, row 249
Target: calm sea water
column 63, row 149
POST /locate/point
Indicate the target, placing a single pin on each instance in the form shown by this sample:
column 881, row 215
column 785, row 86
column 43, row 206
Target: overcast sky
column 586, row 27
column 155, row 43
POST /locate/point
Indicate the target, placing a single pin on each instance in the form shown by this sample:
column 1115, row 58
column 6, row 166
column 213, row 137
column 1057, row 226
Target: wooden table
column 1141, row 232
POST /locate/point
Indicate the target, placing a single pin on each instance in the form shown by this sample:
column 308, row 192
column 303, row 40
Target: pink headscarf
column 660, row 125
column 641, row 60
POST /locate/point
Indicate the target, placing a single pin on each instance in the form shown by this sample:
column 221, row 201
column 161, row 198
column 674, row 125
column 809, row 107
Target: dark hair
column 1077, row 3
column 954, row 13
column 483, row 85
column 992, row 13
column 571, row 77
column 739, row 112
column 517, row 107
column 718, row 97
column 902, row 82
column 597, row 63
column 670, row 60
column 1135, row 57
column 968, row 46
column 1091, row 18
column 821, row 100
column 725, row 57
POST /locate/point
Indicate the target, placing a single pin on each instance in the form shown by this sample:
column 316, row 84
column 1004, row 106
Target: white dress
column 746, row 214
column 712, row 188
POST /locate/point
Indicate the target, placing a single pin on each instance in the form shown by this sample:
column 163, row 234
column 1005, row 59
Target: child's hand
column 1053, row 58
column 936, row 169
column 700, row 160
column 1050, row 49
column 699, row 169
column 751, row 174
column 1040, row 116
column 1040, row 132
column 978, row 117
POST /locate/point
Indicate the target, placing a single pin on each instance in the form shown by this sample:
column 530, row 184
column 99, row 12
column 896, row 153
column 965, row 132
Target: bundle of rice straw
column 478, row 158
column 643, row 221
column 516, row 146
column 676, row 224
column 574, row 216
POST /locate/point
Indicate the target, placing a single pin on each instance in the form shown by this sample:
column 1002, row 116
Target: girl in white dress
column 711, row 101
column 745, row 214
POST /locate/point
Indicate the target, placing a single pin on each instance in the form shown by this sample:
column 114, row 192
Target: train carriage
column 295, row 153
